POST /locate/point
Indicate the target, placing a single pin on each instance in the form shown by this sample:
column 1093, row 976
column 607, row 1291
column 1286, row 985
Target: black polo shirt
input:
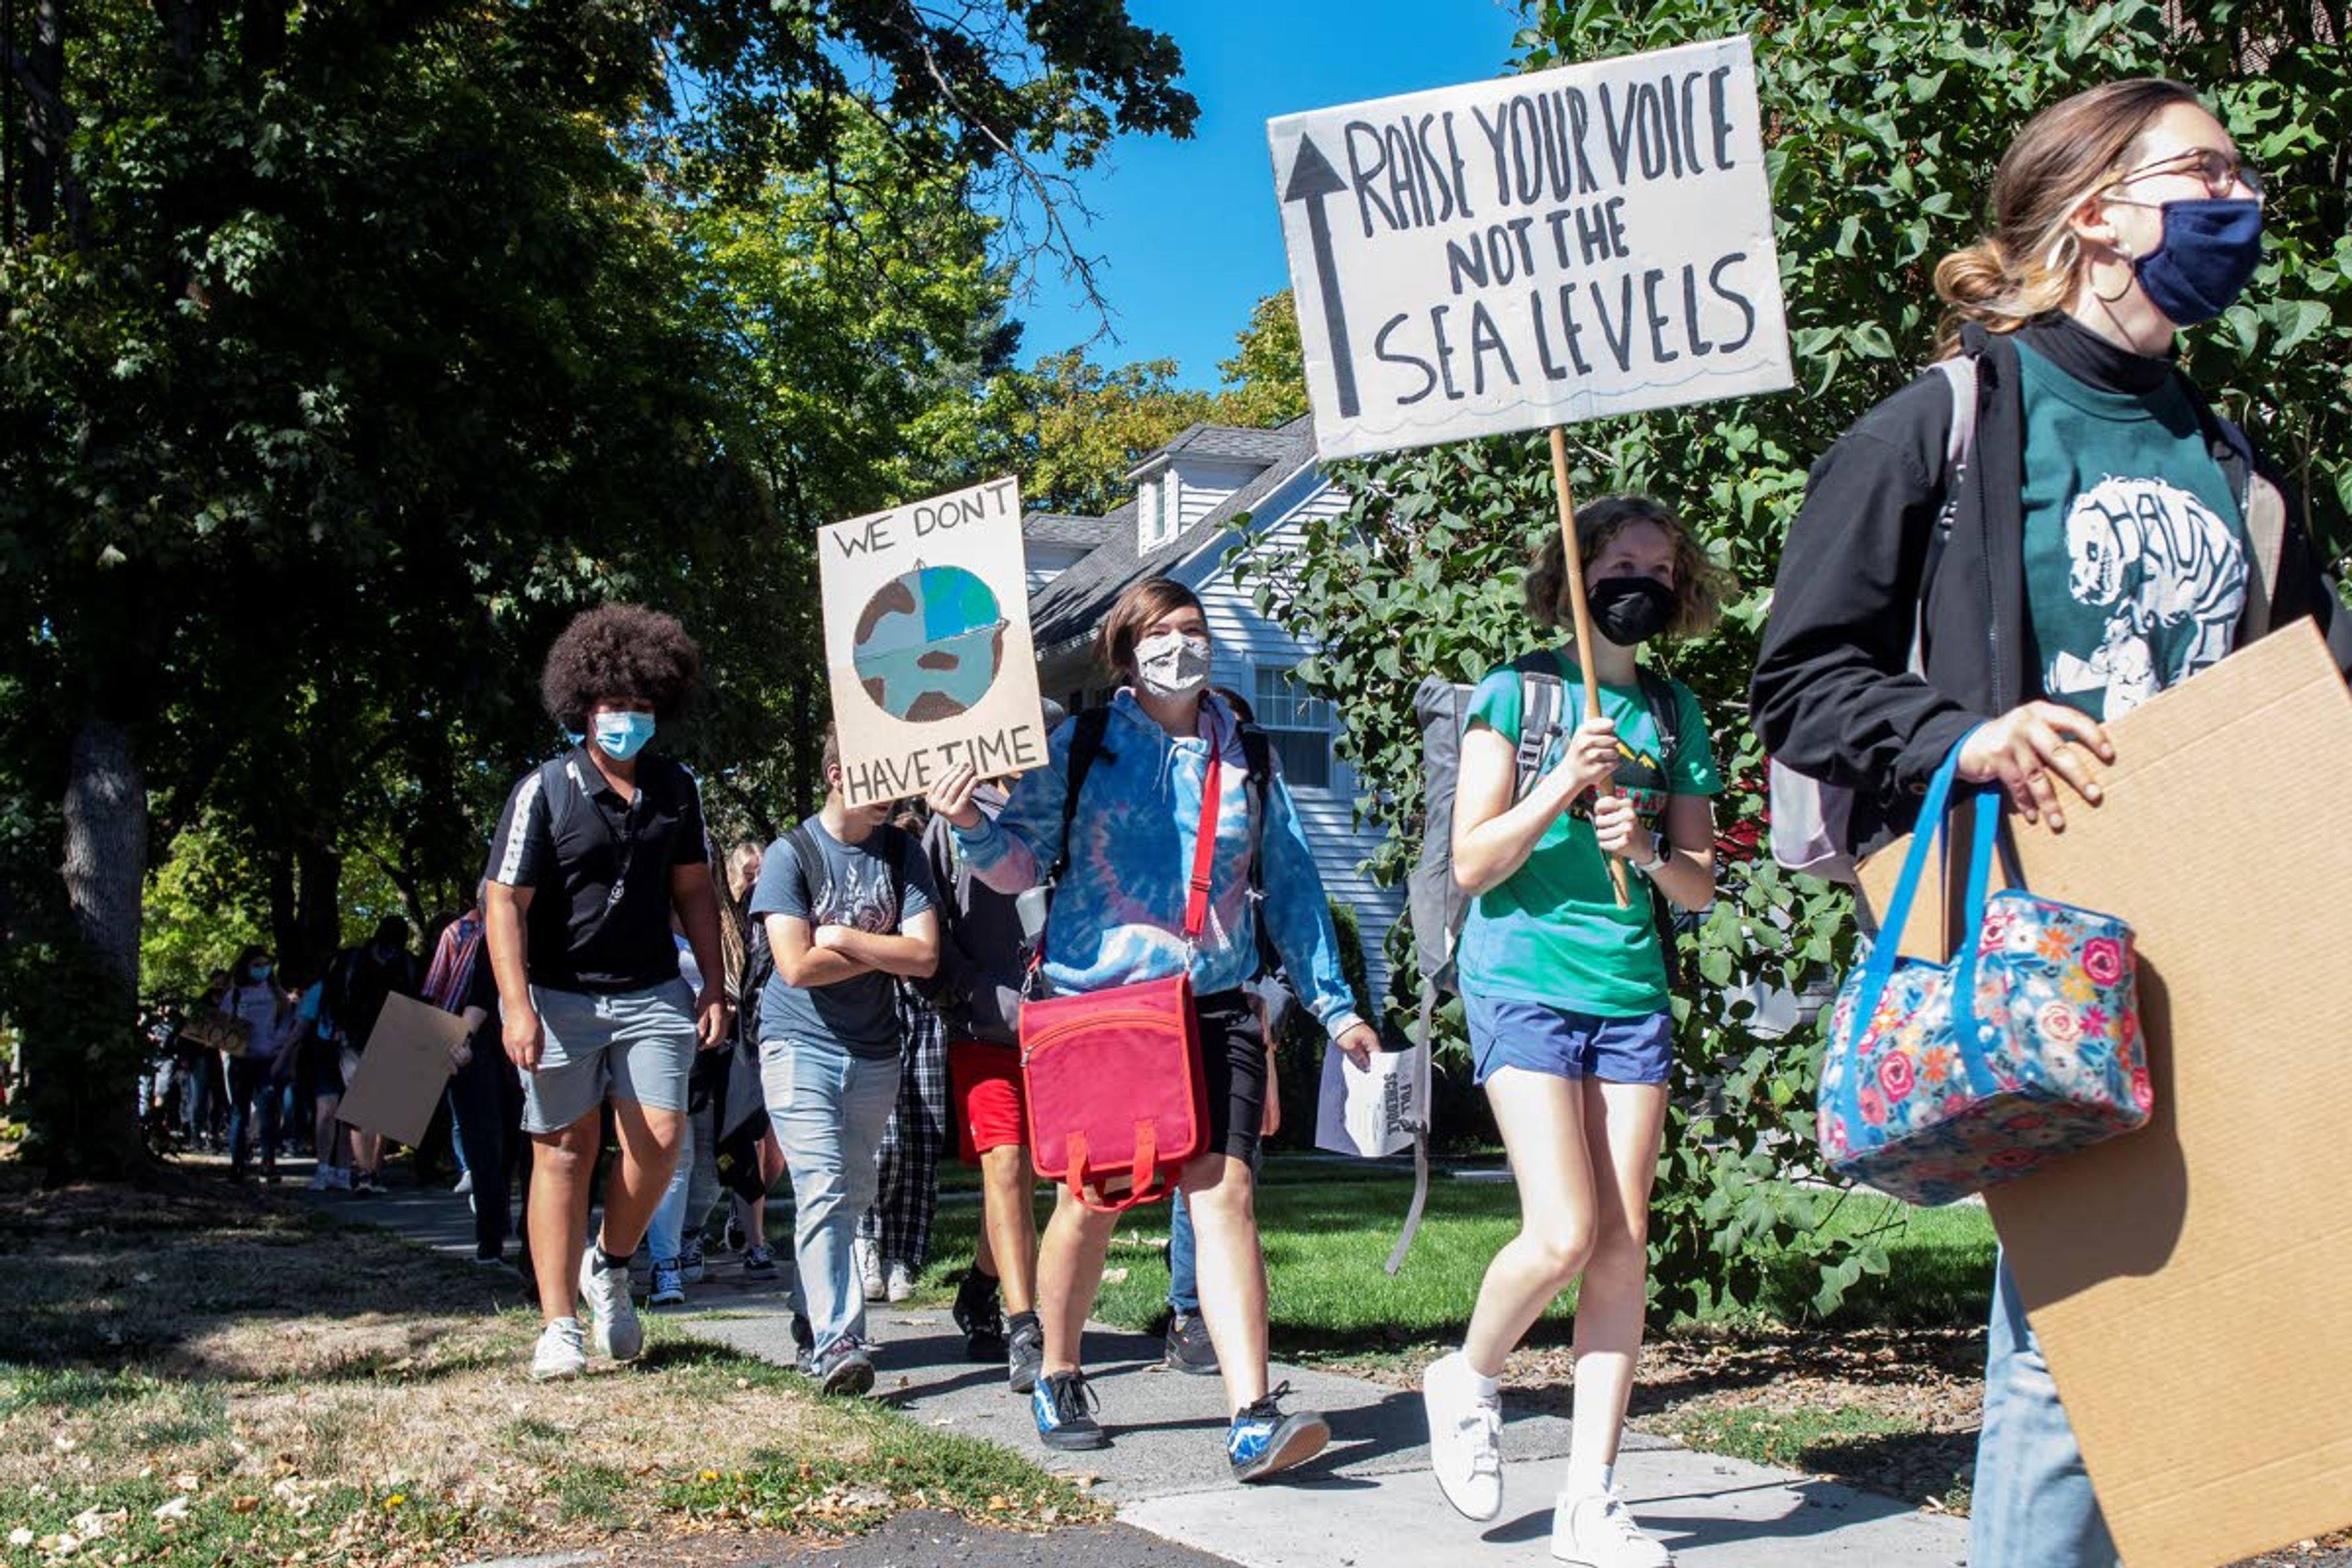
column 599, row 867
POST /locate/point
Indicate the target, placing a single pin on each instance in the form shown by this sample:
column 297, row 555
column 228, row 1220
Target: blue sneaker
column 1263, row 1441
column 1062, row 1406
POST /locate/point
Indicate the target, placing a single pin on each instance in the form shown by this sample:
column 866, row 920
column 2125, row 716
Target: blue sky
column 1188, row 230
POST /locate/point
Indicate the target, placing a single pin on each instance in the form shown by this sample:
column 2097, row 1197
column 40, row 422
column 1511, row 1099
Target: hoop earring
column 2118, row 296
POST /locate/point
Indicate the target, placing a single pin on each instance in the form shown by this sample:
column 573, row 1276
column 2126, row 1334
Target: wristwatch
column 1661, row 852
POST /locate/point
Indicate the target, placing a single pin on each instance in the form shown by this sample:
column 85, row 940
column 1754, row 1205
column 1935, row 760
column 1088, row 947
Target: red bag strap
column 1204, row 848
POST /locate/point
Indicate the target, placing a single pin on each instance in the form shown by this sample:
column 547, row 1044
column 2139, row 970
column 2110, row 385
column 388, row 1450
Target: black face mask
column 1631, row 610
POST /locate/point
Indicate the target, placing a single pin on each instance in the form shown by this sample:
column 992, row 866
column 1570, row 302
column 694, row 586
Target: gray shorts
column 637, row 1046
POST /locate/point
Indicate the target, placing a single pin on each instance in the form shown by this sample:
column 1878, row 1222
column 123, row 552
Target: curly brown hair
column 1699, row 584
column 623, row 651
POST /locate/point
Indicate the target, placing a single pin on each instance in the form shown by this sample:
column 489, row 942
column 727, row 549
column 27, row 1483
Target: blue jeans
column 2031, row 1504
column 693, row 1188
column 251, row 1097
column 829, row 1109
column 1183, row 1273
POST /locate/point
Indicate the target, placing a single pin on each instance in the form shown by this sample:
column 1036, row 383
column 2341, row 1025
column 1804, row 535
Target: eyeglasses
column 2221, row 171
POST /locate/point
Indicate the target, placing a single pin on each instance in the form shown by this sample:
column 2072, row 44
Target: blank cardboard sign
column 2191, row 1282
column 403, row 1071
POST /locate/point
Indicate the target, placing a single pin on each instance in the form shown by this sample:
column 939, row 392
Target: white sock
column 1587, row 1476
column 1485, row 1387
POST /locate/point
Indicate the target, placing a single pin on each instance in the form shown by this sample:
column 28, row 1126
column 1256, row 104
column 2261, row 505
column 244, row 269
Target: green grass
column 1327, row 1228
column 223, row 1378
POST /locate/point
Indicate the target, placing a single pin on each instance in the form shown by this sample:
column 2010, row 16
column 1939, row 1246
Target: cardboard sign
column 927, row 642
column 1533, row 251
column 403, row 1071
column 221, row 1032
column 1373, row 1113
column 2188, row 1281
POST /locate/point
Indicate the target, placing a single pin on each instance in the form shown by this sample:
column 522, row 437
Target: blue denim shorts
column 1536, row 1038
column 635, row 1045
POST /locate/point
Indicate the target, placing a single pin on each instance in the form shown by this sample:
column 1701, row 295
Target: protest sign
column 403, row 1071
column 2186, row 1281
column 1533, row 251
column 1376, row 1112
column 927, row 642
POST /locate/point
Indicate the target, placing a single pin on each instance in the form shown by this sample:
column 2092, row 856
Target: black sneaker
column 1189, row 1349
column 847, row 1366
column 980, row 1317
column 1024, row 1351
column 1062, row 1406
column 1262, row 1440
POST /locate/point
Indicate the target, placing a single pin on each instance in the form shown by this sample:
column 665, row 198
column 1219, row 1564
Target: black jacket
column 1832, row 696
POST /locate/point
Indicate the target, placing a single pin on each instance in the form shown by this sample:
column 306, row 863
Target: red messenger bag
column 1117, row 1103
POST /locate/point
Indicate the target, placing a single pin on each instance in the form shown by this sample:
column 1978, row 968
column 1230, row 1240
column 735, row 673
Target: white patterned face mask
column 1171, row 664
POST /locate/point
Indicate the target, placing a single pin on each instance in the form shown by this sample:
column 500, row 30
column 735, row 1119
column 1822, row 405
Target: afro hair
column 623, row 651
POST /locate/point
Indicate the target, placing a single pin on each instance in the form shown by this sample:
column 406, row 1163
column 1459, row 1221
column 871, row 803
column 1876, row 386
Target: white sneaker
column 613, row 1314
column 1595, row 1532
column 900, row 1281
column 465, row 1182
column 560, row 1353
column 1466, row 1438
column 869, row 1268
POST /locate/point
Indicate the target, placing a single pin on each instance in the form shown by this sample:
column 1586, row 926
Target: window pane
column 1306, row 757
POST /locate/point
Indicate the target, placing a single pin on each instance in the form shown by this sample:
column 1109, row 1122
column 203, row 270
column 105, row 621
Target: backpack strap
column 811, row 861
column 1962, row 380
column 1086, row 733
column 1257, row 786
column 2265, row 519
column 1542, row 697
column 1666, row 712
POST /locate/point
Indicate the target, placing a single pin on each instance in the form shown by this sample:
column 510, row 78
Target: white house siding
column 1199, row 486
column 1047, row 561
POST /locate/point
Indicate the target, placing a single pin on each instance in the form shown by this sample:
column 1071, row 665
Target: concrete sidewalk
column 1369, row 1500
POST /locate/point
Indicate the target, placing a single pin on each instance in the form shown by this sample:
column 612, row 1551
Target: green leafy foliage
column 350, row 352
column 1883, row 123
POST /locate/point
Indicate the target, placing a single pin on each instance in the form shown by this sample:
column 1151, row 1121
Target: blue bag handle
column 1880, row 968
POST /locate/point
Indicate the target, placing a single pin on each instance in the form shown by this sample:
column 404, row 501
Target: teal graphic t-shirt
column 2135, row 551
column 1552, row 932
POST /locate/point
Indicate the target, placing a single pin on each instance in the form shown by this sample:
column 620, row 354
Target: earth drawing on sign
column 930, row 643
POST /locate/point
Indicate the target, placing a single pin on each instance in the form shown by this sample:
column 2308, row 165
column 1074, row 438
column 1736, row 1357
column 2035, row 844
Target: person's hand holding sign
column 953, row 797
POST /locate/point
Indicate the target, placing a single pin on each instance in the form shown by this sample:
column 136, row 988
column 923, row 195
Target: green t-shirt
column 1552, row 932
column 2135, row 551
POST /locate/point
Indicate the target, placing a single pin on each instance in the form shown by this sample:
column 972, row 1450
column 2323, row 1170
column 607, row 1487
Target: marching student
column 1127, row 837
column 1564, row 992
column 846, row 904
column 979, row 984
column 594, row 851
column 2094, row 545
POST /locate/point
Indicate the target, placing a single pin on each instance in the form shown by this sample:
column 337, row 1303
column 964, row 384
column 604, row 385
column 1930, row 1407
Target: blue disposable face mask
column 623, row 735
column 261, row 971
column 2210, row 249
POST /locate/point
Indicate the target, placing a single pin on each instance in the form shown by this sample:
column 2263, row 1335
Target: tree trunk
column 85, row 1056
column 317, row 932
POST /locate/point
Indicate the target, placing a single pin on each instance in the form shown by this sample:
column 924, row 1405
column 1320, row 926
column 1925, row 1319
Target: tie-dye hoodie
column 1118, row 913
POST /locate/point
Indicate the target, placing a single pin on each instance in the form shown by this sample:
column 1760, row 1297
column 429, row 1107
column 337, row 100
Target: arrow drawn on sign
column 1313, row 180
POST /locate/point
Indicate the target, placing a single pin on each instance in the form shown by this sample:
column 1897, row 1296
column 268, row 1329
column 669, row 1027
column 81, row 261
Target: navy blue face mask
column 2210, row 248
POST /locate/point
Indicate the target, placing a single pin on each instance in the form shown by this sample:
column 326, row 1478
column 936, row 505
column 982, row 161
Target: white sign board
column 1533, row 251
column 1372, row 1112
column 927, row 642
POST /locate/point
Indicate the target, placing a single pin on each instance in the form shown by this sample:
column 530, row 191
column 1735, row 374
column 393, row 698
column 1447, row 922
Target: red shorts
column 991, row 1110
